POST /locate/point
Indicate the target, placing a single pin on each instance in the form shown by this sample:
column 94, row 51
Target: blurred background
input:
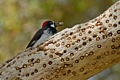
column 20, row 19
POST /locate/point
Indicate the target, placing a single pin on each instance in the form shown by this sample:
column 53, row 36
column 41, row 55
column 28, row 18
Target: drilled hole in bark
column 110, row 15
column 24, row 65
column 110, row 34
column 118, row 53
column 95, row 35
column 41, row 78
column 84, row 43
column 114, row 25
column 104, row 28
column 65, row 65
column 31, row 60
column 35, row 70
column 50, row 62
column 99, row 46
column 81, row 57
column 80, row 46
column 113, row 39
column 32, row 73
column 68, row 71
column 51, row 56
column 80, row 34
column 57, row 70
column 76, row 48
column 93, row 63
column 107, row 21
column 84, row 38
column 6, row 78
column 76, row 61
column 17, row 68
column 68, row 45
column 74, row 37
column 57, row 45
column 109, row 25
column 104, row 36
column 78, row 40
column 63, row 43
column 115, row 17
column 62, row 59
column 115, row 10
column 56, row 76
column 98, row 23
column 27, row 75
column 90, row 39
column 67, row 59
column 81, row 69
column 64, row 51
column 61, row 68
column 89, row 32
column 71, row 33
column 66, row 35
column 45, row 53
column 98, row 57
column 106, row 53
column 117, row 38
column 69, row 38
column 78, row 30
column 98, row 38
column 47, row 76
column 59, row 54
column 118, row 32
column 92, row 26
column 106, row 63
column 70, row 65
column 113, row 47
column 86, row 54
column 71, row 54
column 31, row 65
column 91, row 52
column 79, row 27
column 113, row 52
column 44, row 65
column 83, row 30
column 74, row 73
column 119, row 22
column 64, row 74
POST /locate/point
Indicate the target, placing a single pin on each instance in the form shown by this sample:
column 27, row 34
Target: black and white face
column 52, row 24
column 55, row 24
column 49, row 24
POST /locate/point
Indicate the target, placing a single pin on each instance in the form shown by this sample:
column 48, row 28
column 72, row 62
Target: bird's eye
column 51, row 22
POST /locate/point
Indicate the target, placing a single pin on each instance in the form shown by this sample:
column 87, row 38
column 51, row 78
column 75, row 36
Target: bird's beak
column 58, row 24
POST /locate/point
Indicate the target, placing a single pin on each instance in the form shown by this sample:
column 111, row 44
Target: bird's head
column 51, row 24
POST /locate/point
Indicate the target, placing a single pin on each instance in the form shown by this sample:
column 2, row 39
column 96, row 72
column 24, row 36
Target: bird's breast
column 46, row 34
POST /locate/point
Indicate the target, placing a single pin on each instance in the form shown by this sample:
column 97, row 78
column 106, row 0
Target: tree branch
column 73, row 54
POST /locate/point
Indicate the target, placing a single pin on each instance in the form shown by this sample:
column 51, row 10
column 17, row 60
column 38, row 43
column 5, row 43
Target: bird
column 48, row 29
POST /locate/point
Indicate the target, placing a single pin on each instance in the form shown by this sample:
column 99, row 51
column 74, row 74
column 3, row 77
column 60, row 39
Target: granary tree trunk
column 75, row 53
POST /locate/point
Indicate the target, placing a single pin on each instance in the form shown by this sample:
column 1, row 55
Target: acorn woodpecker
column 48, row 29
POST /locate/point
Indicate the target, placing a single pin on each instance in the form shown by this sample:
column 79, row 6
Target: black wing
column 35, row 38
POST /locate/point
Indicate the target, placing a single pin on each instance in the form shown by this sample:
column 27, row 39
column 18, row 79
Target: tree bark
column 75, row 53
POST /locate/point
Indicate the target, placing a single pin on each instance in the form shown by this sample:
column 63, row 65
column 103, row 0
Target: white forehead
column 53, row 22
column 52, row 25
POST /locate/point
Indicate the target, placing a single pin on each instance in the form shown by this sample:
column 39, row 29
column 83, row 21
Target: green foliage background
column 20, row 19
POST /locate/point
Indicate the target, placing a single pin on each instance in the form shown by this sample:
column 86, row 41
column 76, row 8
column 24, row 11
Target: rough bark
column 75, row 53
